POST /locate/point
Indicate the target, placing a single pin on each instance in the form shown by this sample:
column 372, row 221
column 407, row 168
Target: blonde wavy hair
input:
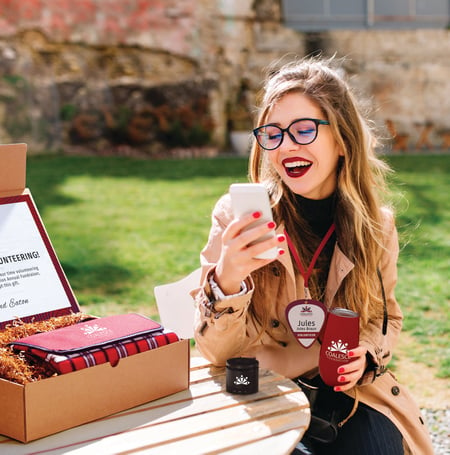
column 360, row 182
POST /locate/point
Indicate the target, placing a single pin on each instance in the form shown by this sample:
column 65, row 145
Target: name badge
column 306, row 318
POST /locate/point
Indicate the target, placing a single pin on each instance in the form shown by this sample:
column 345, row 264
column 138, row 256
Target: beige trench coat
column 229, row 330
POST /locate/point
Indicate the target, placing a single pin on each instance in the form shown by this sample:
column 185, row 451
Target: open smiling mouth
column 297, row 168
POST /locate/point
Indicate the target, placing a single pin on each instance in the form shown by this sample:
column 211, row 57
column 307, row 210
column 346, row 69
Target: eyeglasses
column 302, row 131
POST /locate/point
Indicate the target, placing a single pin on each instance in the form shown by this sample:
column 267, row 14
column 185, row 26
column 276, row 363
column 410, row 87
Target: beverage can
column 341, row 334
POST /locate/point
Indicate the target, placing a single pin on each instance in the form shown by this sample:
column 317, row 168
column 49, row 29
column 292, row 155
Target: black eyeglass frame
column 316, row 121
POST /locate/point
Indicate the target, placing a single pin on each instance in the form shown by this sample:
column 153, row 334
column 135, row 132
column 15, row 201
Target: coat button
column 276, row 271
column 395, row 390
column 275, row 323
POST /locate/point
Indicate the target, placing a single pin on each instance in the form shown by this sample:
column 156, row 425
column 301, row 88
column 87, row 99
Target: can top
column 344, row 313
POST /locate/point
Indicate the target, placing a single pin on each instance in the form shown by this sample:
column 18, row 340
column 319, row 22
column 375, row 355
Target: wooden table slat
column 236, row 436
column 269, row 445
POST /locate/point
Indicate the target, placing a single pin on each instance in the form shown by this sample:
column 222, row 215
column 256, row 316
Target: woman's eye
column 275, row 136
column 305, row 132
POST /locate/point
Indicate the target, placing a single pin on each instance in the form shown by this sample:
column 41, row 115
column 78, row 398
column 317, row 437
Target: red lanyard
column 307, row 274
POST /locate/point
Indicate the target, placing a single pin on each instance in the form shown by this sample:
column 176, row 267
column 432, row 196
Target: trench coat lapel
column 340, row 267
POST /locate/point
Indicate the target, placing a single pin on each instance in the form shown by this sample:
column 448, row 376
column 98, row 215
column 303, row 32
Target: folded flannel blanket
column 95, row 342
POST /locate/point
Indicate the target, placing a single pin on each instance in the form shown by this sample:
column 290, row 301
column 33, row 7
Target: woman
column 314, row 151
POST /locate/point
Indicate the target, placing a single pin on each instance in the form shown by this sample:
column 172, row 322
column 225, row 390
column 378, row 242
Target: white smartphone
column 253, row 197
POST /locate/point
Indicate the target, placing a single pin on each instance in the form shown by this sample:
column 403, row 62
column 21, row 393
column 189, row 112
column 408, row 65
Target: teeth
column 297, row 164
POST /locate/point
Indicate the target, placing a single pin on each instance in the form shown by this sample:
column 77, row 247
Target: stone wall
column 153, row 76
column 407, row 74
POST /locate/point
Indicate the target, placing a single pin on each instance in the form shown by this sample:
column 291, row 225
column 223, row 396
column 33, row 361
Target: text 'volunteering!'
column 19, row 257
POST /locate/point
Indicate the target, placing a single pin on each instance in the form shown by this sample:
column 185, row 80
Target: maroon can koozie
column 341, row 334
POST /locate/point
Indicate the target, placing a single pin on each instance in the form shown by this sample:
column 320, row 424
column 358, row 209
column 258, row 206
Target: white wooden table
column 202, row 420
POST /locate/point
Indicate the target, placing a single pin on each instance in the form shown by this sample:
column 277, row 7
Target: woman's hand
column 352, row 372
column 237, row 259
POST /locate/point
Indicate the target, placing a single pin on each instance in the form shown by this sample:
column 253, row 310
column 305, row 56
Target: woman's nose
column 288, row 142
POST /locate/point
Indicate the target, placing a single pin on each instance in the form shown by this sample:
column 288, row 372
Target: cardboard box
column 51, row 405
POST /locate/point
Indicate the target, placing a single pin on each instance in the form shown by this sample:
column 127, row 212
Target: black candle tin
column 242, row 375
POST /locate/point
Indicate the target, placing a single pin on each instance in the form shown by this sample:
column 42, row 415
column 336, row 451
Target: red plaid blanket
column 95, row 342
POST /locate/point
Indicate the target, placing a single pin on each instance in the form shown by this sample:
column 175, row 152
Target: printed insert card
column 32, row 283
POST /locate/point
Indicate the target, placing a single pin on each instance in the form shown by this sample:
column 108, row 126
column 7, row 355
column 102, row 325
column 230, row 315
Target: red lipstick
column 296, row 166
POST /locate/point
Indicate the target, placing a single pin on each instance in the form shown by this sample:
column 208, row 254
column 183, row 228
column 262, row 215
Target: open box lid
column 33, row 285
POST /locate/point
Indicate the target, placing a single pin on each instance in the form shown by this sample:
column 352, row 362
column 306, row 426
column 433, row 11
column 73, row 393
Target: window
column 318, row 15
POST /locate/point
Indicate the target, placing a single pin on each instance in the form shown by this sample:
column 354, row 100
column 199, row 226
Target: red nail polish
column 341, row 370
column 271, row 225
column 337, row 389
column 281, row 238
column 281, row 251
column 341, row 379
column 256, row 214
column 350, row 353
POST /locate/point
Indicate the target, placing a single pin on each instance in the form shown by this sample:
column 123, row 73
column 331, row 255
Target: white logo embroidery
column 92, row 329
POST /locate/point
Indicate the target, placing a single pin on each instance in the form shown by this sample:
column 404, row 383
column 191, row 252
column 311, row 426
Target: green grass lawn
column 121, row 226
column 421, row 188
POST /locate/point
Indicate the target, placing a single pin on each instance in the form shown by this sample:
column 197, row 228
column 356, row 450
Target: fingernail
column 337, row 389
column 281, row 251
column 341, row 379
column 256, row 214
column 351, row 353
column 341, row 370
column 271, row 225
column 281, row 238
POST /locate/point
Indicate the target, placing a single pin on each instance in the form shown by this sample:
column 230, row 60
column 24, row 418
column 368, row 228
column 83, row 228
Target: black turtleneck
column 318, row 213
